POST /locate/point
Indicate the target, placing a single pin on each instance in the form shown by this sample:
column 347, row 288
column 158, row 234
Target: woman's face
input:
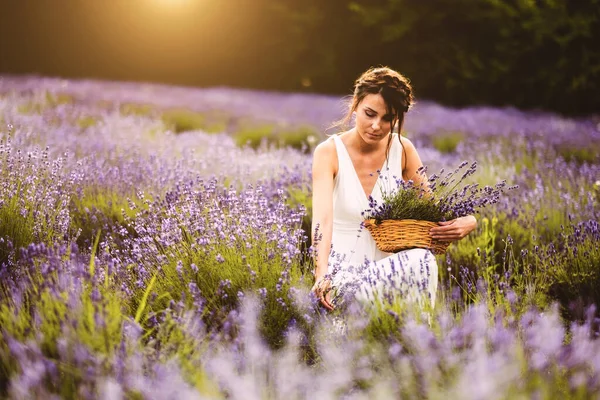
column 372, row 121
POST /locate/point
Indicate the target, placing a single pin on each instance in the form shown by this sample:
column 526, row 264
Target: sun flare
column 174, row 3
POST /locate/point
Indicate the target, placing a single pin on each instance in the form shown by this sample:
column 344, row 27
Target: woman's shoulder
column 409, row 153
column 326, row 147
column 407, row 146
column 406, row 141
column 326, row 154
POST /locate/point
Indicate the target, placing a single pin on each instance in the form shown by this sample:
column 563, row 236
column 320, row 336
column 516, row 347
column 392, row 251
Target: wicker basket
column 393, row 235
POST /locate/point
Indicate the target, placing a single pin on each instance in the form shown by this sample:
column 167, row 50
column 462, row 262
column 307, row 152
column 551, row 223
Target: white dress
column 357, row 266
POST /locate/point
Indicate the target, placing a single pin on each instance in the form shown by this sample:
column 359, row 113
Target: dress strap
column 396, row 154
column 342, row 154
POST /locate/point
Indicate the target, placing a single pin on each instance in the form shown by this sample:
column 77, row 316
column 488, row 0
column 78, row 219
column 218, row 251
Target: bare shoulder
column 325, row 155
column 325, row 147
column 325, row 151
column 411, row 161
column 407, row 143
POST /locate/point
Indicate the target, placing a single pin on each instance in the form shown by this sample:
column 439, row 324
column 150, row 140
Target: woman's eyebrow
column 385, row 116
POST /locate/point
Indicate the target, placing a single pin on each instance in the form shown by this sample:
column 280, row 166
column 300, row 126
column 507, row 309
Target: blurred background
column 531, row 54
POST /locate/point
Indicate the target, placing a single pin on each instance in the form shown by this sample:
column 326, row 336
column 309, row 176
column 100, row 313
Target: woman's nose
column 375, row 125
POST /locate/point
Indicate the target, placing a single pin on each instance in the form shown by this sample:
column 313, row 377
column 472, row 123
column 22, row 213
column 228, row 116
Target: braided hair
column 396, row 91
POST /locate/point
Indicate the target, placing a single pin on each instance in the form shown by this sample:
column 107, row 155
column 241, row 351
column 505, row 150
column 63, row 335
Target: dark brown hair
column 395, row 89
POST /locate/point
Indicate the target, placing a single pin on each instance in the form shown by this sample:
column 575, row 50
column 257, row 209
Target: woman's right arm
column 323, row 171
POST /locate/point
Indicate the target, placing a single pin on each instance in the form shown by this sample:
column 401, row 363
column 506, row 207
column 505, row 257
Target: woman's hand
column 454, row 229
column 322, row 289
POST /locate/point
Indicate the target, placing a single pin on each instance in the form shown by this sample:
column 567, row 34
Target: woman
column 350, row 167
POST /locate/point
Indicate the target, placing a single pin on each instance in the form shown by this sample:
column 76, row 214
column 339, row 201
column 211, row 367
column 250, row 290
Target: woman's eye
column 369, row 114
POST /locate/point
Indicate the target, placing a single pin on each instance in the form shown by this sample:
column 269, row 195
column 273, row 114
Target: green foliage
column 299, row 196
column 29, row 209
column 65, row 326
column 183, row 339
column 212, row 273
column 385, row 321
column 447, row 142
column 386, row 317
column 254, row 136
column 556, row 36
column 217, row 121
column 574, row 274
column 30, row 108
column 144, row 110
column 144, row 301
column 413, row 203
column 182, row 120
column 302, row 197
column 87, row 122
column 14, row 227
column 489, row 263
column 480, row 245
column 550, row 222
column 300, row 138
column 504, row 254
column 446, row 51
column 223, row 273
column 55, row 99
column 520, row 234
column 579, row 155
column 100, row 209
column 48, row 318
column 43, row 101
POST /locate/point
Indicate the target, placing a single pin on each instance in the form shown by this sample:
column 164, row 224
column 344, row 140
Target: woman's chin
column 372, row 137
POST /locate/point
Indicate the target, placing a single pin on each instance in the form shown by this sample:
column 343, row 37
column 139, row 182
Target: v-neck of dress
column 365, row 196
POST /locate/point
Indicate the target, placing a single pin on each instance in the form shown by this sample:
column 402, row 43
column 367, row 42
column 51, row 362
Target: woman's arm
column 323, row 170
column 455, row 229
column 411, row 163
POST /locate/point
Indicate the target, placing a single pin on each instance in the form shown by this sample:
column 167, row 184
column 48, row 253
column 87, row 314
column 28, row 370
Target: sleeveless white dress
column 357, row 266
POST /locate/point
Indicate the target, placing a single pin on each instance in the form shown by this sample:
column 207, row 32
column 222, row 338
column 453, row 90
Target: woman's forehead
column 375, row 102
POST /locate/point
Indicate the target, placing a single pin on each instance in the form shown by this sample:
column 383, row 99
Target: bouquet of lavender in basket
column 407, row 211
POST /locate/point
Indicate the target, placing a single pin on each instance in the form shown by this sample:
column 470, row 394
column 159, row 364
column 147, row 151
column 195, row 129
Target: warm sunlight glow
column 175, row 3
column 169, row 7
column 173, row 11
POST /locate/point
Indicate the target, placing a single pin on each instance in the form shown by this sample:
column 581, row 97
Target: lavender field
column 153, row 245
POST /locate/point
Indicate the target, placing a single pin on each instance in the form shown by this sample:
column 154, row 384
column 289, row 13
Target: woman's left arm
column 454, row 229
column 411, row 165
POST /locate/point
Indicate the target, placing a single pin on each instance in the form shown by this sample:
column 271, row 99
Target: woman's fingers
column 444, row 232
column 448, row 237
column 445, row 223
column 448, row 227
column 326, row 302
column 455, row 229
column 325, row 294
column 321, row 289
column 451, row 235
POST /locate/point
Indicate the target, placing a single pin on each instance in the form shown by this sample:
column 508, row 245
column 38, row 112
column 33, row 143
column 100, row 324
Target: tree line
column 532, row 54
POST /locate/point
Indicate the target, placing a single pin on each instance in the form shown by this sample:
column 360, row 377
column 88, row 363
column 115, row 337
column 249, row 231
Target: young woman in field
column 347, row 169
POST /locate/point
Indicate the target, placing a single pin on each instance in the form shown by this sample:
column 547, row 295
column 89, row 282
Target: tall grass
column 34, row 199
